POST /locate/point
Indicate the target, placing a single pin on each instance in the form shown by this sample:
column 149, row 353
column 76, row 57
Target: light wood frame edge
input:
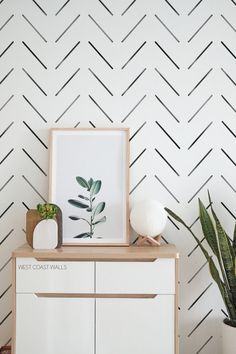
column 13, row 341
column 177, row 305
column 127, row 130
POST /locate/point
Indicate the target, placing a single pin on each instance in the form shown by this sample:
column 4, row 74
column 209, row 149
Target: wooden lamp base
column 148, row 240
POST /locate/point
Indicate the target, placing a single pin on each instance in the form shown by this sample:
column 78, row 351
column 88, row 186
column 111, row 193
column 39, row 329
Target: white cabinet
column 96, row 301
column 135, row 325
column 48, row 325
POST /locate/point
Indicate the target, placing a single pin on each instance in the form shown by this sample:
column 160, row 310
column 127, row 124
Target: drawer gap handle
column 96, row 296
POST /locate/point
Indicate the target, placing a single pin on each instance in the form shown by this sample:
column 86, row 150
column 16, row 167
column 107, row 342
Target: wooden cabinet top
column 108, row 253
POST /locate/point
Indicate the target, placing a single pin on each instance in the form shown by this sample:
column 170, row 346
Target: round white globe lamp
column 148, row 218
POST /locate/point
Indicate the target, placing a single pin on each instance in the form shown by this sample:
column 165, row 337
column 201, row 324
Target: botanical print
column 88, row 202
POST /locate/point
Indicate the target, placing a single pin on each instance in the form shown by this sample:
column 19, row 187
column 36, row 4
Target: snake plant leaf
column 90, row 183
column 226, row 251
column 174, row 216
column 177, row 218
column 234, row 240
column 208, row 229
column 228, row 302
column 83, row 197
column 96, row 186
column 77, row 203
column 99, row 208
column 83, row 235
column 82, row 182
column 103, row 219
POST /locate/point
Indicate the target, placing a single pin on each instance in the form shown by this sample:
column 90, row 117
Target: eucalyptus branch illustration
column 93, row 188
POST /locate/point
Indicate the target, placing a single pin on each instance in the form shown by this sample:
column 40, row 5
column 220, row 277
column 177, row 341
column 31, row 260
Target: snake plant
column 222, row 263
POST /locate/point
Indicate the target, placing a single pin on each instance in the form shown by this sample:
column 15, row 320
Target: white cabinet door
column 135, row 326
column 54, row 325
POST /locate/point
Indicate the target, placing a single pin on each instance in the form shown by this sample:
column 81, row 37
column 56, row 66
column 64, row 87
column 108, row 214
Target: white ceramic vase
column 45, row 235
column 228, row 339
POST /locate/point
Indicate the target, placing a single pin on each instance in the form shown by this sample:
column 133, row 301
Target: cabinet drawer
column 34, row 276
column 156, row 277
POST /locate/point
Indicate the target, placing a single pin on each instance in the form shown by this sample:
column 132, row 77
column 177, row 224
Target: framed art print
column 89, row 181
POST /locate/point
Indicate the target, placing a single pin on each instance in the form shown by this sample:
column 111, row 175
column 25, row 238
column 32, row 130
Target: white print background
column 101, row 156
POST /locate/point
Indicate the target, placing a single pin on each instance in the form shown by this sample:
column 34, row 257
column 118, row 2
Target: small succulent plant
column 47, row 210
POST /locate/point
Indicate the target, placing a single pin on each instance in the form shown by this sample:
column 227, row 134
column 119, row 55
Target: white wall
column 167, row 70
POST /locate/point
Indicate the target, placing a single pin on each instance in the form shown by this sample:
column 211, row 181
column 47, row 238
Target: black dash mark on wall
column 167, row 28
column 136, row 159
column 203, row 185
column 167, row 55
column 62, row 7
column 36, row 136
column 200, row 108
column 101, row 109
column 36, row 57
column 105, row 6
column 6, row 183
column 4, row 212
column 36, row 164
column 199, row 323
column 132, row 56
column 168, row 110
column 199, row 56
column 6, row 49
column 101, row 82
column 136, row 186
column 39, row 7
column 137, row 131
column 130, row 5
column 6, row 156
column 6, row 76
column 167, row 189
column 199, row 136
column 5, row 23
column 168, row 135
column 67, row 55
column 196, row 86
column 199, row 163
column 7, row 235
column 34, row 28
column 32, row 106
column 66, row 83
column 133, row 82
column 97, row 51
column 133, row 109
column 194, row 8
column 199, row 29
column 166, row 161
column 100, row 27
column 227, row 48
column 31, row 78
column 172, row 7
column 64, row 112
column 168, row 83
column 67, row 28
column 137, row 24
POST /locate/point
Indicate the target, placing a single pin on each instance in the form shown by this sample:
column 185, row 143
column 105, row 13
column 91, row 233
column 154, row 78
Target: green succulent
column 47, row 210
column 222, row 265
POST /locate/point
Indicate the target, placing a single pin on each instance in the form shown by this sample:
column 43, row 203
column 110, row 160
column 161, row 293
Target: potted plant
column 45, row 235
column 221, row 266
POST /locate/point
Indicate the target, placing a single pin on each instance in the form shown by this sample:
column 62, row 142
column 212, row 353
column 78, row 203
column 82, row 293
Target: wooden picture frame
column 89, row 181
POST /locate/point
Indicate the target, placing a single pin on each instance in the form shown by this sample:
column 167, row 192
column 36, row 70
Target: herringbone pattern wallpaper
column 164, row 68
